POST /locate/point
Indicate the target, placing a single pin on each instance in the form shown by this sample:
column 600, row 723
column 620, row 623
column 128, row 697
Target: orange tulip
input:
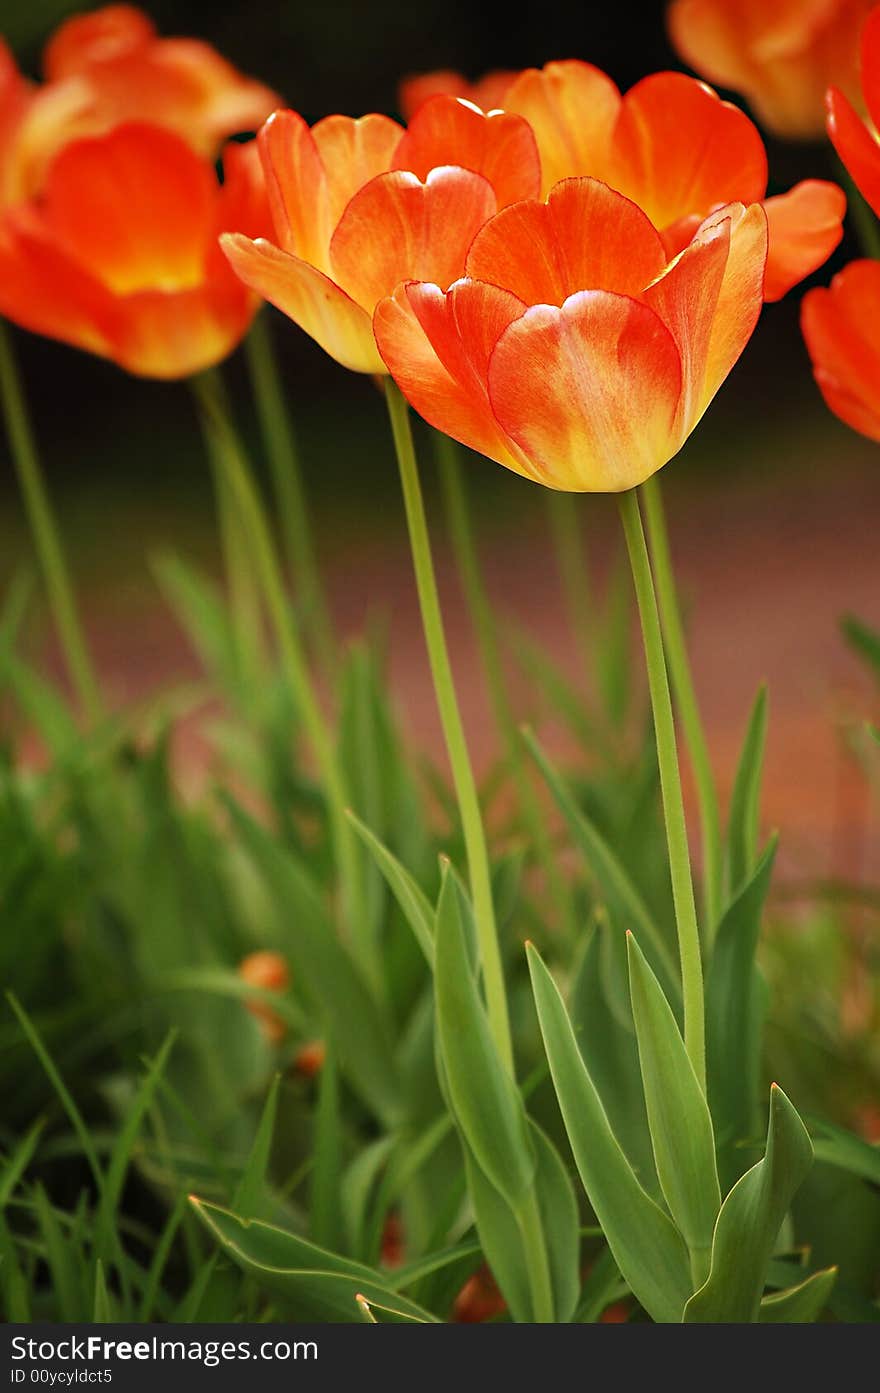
column 840, row 328
column 359, row 206
column 110, row 67
column 780, row 54
column 120, row 256
column 575, row 352
column 855, row 142
column 269, row 971
column 487, row 92
column 679, row 152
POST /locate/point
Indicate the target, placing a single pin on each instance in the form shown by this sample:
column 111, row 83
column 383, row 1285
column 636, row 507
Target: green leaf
column 414, row 903
column 742, row 831
column 59, row 1257
column 200, row 610
column 623, row 899
column 374, row 1313
column 325, row 1204
column 838, row 1147
column 102, row 1309
column 750, row 1219
column 251, row 1189
column 16, row 1165
column 734, row 1019
column 485, row 1100
column 864, row 640
column 647, row 1247
column 559, row 1220
column 678, row 1115
column 315, row 1283
column 799, row 1305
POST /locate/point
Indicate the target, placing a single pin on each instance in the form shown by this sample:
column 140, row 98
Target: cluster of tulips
column 560, row 277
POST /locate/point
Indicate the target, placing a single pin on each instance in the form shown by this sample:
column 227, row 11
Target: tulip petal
column 353, row 152
column 585, row 237
column 437, row 348
column 572, row 107
column 679, row 150
column 171, row 336
column 88, row 38
column 134, row 207
column 805, row 225
column 500, row 146
column 870, row 64
column 309, row 298
column 589, row 391
column 488, row 92
column 856, row 145
column 710, row 298
column 296, row 185
column 397, row 229
column 839, row 328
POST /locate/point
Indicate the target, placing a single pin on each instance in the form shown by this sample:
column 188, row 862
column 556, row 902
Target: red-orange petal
column 397, row 228
column 488, row 92
column 309, row 298
column 296, row 185
column 805, row 225
column 437, row 347
column 856, row 146
column 173, row 334
column 95, row 37
column 353, row 152
column 589, row 391
column 680, row 150
column 500, row 146
column 839, row 326
column 870, row 64
column 585, row 237
column 572, row 107
column 134, row 207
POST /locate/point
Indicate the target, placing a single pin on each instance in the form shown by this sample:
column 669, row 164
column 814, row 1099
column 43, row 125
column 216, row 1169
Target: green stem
column 670, row 785
column 532, row 1232
column 450, row 716
column 287, row 480
column 867, row 228
column 568, row 543
column 45, row 534
column 688, row 706
column 483, row 620
column 317, row 731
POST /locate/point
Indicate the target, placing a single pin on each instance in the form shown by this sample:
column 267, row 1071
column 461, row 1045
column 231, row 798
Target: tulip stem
column 287, row 480
column 255, row 528
column 453, row 730
column 670, row 785
column 45, row 533
column 483, row 621
column 686, row 698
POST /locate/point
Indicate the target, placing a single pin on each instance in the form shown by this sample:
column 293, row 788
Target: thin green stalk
column 287, row 480
column 45, row 534
column 317, row 732
column 867, row 227
column 688, row 706
column 532, row 1232
column 568, row 543
column 670, row 784
column 450, row 716
column 483, row 620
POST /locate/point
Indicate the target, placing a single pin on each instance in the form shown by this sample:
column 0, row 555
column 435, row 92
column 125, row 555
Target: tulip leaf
column 863, row 640
column 374, row 1313
column 623, row 899
column 838, row 1147
column 799, row 1305
column 742, row 832
column 750, row 1219
column 252, row 1184
column 315, row 1283
column 483, row 1097
column 414, row 903
column 733, row 1021
column 646, row 1245
column 678, row 1115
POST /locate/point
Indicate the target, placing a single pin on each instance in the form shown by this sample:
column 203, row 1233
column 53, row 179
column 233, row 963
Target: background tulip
column 856, row 140
column 574, row 352
column 840, row 329
column 359, row 206
column 781, row 56
column 487, row 92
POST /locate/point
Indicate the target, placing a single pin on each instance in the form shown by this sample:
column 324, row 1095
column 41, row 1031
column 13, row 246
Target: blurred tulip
column 487, row 92
column 575, row 352
column 119, row 255
column 678, row 151
column 479, row 1299
column 840, row 326
column 110, row 67
column 267, row 970
column 856, row 140
column 309, row 1059
column 360, row 206
column 781, row 55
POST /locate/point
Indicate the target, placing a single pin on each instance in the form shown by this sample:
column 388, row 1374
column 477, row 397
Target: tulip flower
column 781, row 56
column 679, row 152
column 359, row 206
column 854, row 140
column 487, row 92
column 840, row 328
column 110, row 67
column 268, row 971
column 119, row 255
column 574, row 351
